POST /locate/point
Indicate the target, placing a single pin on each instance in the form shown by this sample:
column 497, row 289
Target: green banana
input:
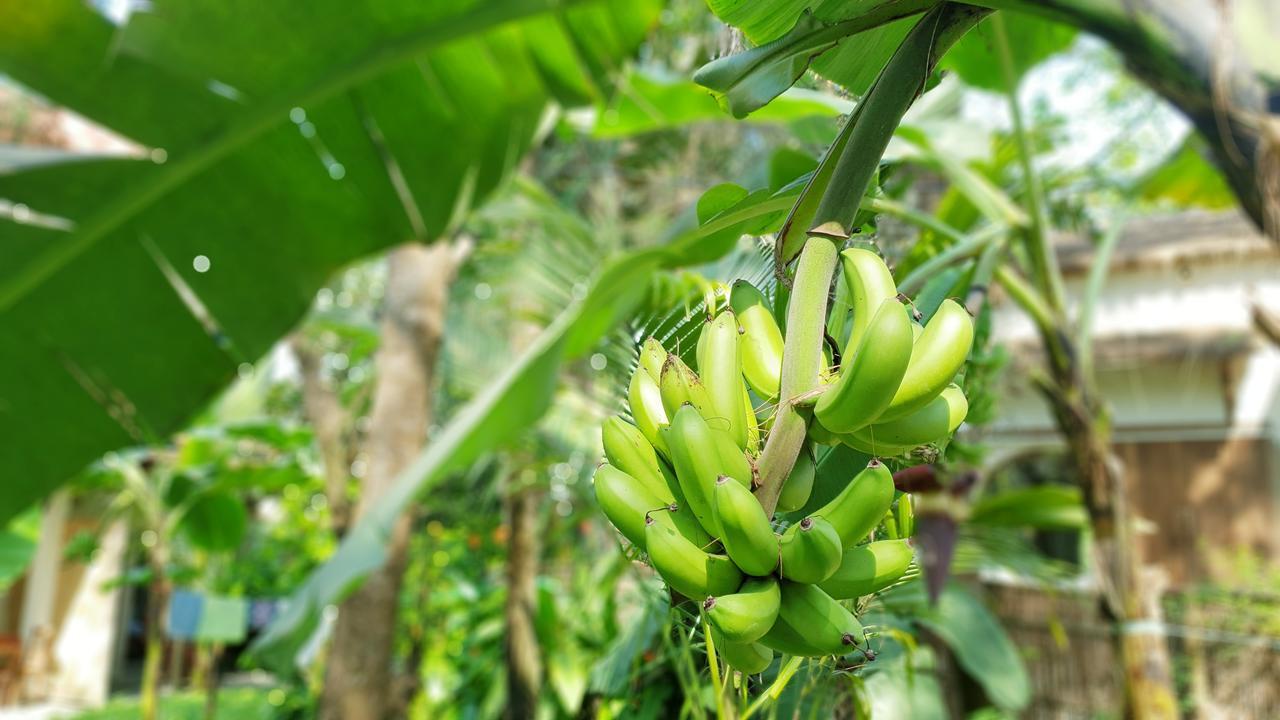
column 786, row 640
column 652, row 355
column 720, row 367
column 745, row 616
column 687, row 568
column 701, row 454
column 810, row 551
column 625, row 500
column 628, row 451
column 818, row 620
column 799, row 484
column 753, row 426
column 856, row 511
column 761, row 340
column 870, row 284
column 645, row 400
column 749, row 658
column 868, row 569
column 931, row 423
column 870, row 379
column 936, row 358
column 916, row 331
column 680, row 385
column 821, row 435
column 874, row 449
column 744, row 528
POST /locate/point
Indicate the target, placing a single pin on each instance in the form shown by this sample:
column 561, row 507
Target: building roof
column 1170, row 239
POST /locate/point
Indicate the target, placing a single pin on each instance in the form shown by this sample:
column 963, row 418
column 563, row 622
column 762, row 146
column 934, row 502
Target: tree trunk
column 1132, row 598
column 524, row 661
column 358, row 680
column 157, row 603
column 524, row 657
column 328, row 419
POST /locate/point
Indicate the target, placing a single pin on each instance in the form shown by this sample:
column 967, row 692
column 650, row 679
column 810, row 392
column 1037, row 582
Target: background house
column 1188, row 360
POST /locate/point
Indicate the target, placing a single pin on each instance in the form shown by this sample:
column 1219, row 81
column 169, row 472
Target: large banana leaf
column 277, row 141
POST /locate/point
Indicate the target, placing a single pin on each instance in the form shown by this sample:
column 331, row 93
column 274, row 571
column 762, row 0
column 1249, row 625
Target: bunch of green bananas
column 678, row 482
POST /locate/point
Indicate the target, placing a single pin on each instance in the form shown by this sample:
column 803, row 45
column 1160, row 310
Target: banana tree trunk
column 358, row 680
column 1132, row 599
column 524, row 660
column 1217, row 61
column 524, row 656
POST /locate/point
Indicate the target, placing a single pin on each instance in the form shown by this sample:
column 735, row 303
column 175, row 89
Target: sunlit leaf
column 261, row 167
column 1187, row 179
column 1031, row 41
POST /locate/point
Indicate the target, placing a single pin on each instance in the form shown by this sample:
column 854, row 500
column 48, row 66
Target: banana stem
column 1043, row 261
column 801, row 364
column 785, row 673
column 965, row 248
column 716, row 684
column 1026, row 297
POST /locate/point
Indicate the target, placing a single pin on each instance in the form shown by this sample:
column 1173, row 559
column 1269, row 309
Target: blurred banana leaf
column 1032, row 40
column 981, row 647
column 848, row 43
column 1187, row 178
column 275, row 143
column 645, row 103
column 18, row 546
column 1047, row 507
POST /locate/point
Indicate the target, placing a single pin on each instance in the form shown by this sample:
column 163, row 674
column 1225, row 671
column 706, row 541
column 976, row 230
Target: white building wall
column 1209, row 299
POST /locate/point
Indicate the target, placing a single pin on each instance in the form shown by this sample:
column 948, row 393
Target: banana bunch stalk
column 681, row 472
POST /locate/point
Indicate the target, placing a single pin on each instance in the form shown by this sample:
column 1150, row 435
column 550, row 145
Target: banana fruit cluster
column 678, row 483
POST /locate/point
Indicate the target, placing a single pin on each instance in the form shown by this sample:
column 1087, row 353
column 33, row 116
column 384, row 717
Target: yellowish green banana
column 679, row 385
column 744, row 528
column 687, row 568
column 935, row 359
column 870, row 283
column 810, row 551
column 652, row 356
column 931, row 423
column 745, row 616
column 645, row 400
column 868, row 569
column 761, row 340
column 753, row 425
column 625, row 500
column 720, row 368
column 627, row 449
column 856, row 511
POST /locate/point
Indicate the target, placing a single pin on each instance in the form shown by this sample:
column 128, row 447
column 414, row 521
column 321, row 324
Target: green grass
column 233, row 704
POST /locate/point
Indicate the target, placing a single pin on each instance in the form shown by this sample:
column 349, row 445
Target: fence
column 1226, row 654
